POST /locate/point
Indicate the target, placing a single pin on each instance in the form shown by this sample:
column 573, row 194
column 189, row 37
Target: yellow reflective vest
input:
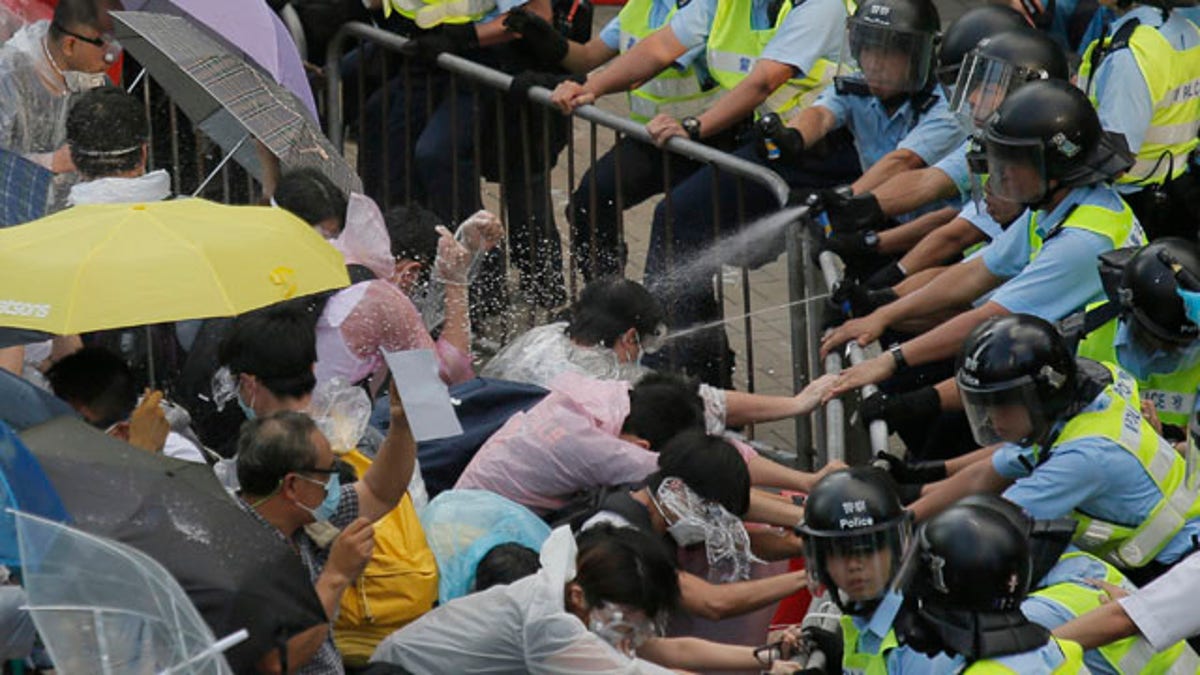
column 854, row 661
column 675, row 92
column 1072, row 663
column 430, row 13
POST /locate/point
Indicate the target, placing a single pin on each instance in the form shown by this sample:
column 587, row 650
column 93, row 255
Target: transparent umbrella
column 103, row 607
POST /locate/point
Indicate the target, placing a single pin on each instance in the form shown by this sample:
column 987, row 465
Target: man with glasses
column 41, row 66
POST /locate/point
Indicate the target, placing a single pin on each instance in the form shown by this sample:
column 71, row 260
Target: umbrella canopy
column 114, row 265
column 23, row 405
column 23, row 487
column 236, row 572
column 101, row 607
column 24, row 189
column 228, row 99
column 242, row 25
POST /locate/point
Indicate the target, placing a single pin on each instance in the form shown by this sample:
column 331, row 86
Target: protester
column 107, row 133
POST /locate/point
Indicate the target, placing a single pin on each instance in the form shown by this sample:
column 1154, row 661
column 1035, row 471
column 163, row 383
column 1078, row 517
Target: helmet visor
column 858, row 565
column 982, row 84
column 1011, row 414
column 888, row 62
column 1016, row 170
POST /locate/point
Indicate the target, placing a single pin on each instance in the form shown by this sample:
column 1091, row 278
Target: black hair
column 106, row 131
column 271, row 447
column 662, row 405
column 97, row 378
column 709, row 465
column 276, row 344
column 608, row 307
column 504, row 564
column 311, row 196
column 413, row 234
column 627, row 566
column 73, row 14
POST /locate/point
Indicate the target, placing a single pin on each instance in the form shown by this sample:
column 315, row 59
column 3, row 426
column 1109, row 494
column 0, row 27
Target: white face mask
column 78, row 82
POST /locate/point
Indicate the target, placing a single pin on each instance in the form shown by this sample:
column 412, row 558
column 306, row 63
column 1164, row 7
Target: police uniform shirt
column 1122, row 96
column 954, row 165
column 905, row 659
column 1064, row 278
column 1092, row 474
column 1042, row 660
column 811, row 31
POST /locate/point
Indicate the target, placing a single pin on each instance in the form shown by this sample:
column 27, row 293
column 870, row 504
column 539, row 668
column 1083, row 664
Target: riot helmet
column 966, row 31
column 1016, row 376
column 1048, row 131
column 1148, row 294
column 888, row 48
column 855, row 532
column 999, row 65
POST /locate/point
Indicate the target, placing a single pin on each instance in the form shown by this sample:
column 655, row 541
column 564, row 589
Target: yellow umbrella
column 114, row 265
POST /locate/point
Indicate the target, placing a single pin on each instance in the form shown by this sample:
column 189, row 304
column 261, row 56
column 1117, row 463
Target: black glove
column 886, row 277
column 893, row 408
column 448, row 37
column 829, row 644
column 860, row 300
column 915, row 473
column 538, row 37
column 848, row 213
column 851, row 244
column 522, row 81
column 777, row 141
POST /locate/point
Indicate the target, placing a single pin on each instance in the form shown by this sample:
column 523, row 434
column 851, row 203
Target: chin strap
column 978, row 635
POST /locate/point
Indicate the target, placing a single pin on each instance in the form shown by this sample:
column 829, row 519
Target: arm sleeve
column 1124, row 98
column 693, row 23
column 1012, row 461
column 1008, row 253
column 836, row 104
column 808, row 32
column 937, row 133
column 954, row 165
column 1068, row 478
column 610, row 35
column 1062, row 279
column 1164, row 611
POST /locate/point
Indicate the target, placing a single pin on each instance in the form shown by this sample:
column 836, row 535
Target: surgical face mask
column 333, row 495
column 624, row 628
column 247, row 410
column 78, row 82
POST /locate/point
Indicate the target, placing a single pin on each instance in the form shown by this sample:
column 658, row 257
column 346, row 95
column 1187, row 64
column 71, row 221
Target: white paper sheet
column 426, row 398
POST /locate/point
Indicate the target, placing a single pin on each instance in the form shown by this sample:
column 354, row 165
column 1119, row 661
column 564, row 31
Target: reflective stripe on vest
column 1121, row 421
column 733, row 48
column 1072, row 662
column 1120, row 228
column 675, row 92
column 1171, row 393
column 1173, row 80
column 854, row 661
column 430, row 13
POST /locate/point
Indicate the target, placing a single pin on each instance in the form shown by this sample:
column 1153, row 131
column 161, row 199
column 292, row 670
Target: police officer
column 1144, row 329
column 855, row 534
column 1065, row 437
column 1045, row 149
column 971, row 571
column 1143, row 77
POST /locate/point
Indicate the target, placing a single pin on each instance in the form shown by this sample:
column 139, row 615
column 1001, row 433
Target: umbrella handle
column 217, row 647
column 221, row 165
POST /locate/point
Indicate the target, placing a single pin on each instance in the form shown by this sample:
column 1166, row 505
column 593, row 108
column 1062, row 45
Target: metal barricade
column 467, row 90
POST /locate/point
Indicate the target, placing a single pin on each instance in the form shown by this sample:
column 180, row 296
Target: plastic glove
column 776, row 140
column 848, row 212
column 893, row 408
column 538, row 37
column 910, row 474
column 448, row 37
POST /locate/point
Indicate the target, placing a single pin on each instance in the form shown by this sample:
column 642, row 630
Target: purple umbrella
column 241, row 25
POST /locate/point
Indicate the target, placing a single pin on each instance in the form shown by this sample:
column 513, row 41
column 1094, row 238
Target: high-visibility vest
column 1122, row 423
column 1072, row 663
column 854, row 661
column 1119, row 227
column 1172, row 394
column 734, row 47
column 1128, row 656
column 676, row 92
column 1173, row 80
column 430, row 13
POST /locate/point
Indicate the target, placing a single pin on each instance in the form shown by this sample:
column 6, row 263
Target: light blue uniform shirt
column 810, row 31
column 954, row 165
column 931, row 135
column 1064, row 278
column 904, row 659
column 1040, row 661
column 982, row 221
column 1076, row 570
column 610, row 35
column 1119, row 87
column 1091, row 474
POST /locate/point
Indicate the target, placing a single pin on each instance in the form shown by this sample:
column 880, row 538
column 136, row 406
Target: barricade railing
column 471, row 87
column 835, row 416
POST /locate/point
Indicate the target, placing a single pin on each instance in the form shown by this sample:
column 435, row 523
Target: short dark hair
column 271, row 447
column 97, row 378
column 412, row 230
column 662, row 405
column 276, row 344
column 106, row 131
column 627, row 566
column 608, row 307
column 504, row 564
column 312, row 196
column 709, row 465
column 73, row 14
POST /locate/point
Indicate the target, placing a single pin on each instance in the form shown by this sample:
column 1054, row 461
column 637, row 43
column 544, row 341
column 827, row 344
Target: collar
column 1048, row 221
column 152, row 187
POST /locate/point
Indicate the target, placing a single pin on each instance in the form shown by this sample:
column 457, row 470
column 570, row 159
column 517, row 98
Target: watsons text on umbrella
column 19, row 308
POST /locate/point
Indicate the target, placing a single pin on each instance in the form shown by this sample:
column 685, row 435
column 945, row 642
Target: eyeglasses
column 101, row 41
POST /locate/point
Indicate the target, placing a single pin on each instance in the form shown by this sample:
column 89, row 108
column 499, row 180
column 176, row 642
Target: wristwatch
column 692, row 126
column 898, row 356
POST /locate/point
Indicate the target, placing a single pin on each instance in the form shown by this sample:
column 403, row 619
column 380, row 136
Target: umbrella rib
column 73, row 296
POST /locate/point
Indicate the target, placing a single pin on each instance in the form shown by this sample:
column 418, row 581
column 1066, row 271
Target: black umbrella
column 236, row 572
